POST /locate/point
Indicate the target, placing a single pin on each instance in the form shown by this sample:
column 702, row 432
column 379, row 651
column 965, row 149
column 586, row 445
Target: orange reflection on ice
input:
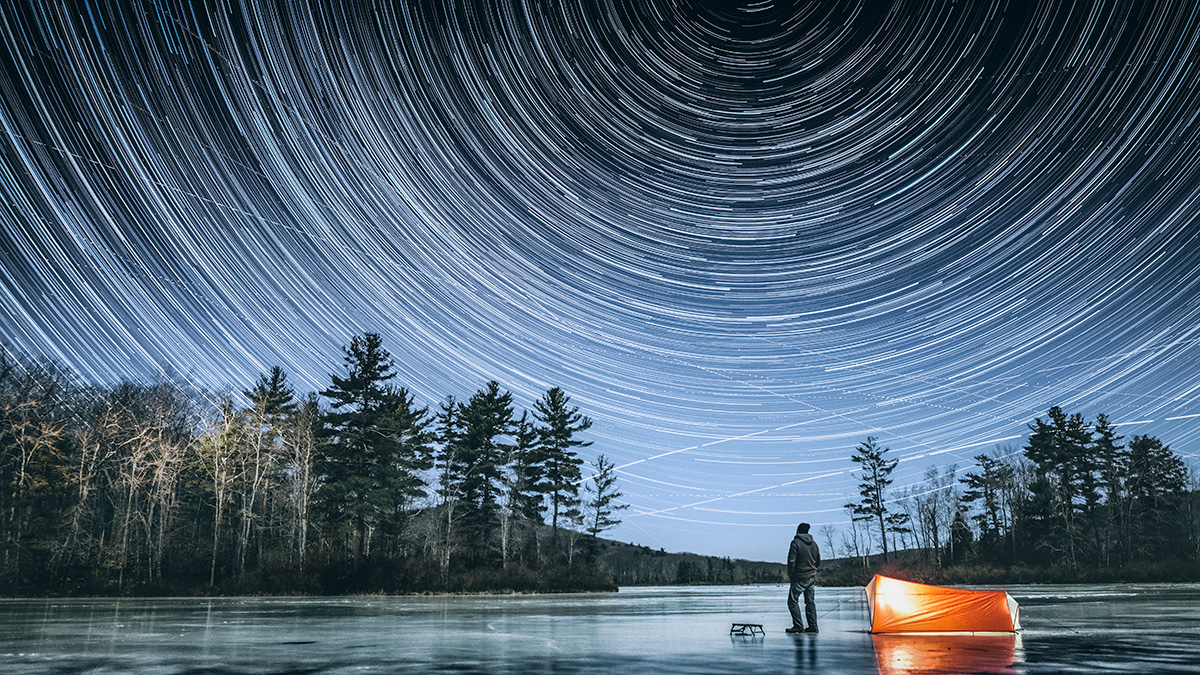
column 950, row 653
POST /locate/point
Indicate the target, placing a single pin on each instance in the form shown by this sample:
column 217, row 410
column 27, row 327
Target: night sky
column 742, row 236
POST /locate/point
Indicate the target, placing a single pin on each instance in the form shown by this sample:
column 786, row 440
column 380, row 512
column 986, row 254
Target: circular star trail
column 743, row 236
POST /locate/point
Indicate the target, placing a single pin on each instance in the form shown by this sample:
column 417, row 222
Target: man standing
column 802, row 562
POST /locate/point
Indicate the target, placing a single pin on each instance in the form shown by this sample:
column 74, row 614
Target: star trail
column 742, row 236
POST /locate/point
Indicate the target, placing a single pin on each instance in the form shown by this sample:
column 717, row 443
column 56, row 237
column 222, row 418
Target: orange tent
column 904, row 607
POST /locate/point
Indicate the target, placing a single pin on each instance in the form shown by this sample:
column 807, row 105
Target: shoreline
column 510, row 593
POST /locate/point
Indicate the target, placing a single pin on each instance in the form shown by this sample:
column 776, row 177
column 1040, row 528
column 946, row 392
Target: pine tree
column 560, row 423
column 1062, row 449
column 875, row 479
column 486, row 419
column 407, row 426
column 1037, row 521
column 1157, row 484
column 602, row 507
column 524, row 486
column 376, row 445
column 988, row 487
column 528, row 488
column 450, row 472
column 1113, row 464
column 961, row 539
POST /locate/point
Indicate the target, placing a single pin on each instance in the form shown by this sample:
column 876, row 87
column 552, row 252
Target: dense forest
column 633, row 565
column 157, row 488
column 1078, row 502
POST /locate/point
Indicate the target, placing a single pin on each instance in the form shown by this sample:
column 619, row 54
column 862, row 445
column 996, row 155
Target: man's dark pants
column 798, row 587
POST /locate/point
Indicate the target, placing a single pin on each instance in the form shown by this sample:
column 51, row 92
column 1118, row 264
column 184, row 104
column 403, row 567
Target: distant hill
column 629, row 564
column 633, row 565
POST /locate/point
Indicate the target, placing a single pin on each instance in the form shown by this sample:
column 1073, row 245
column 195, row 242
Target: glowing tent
column 904, row 607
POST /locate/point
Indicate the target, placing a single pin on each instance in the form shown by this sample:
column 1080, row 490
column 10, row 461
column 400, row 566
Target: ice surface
column 1083, row 629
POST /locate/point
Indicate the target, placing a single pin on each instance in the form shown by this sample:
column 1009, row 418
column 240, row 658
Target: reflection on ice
column 945, row 653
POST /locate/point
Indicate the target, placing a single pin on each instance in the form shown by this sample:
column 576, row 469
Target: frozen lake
column 1082, row 629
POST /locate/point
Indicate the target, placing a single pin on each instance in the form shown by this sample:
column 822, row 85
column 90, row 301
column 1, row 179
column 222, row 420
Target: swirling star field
column 742, row 236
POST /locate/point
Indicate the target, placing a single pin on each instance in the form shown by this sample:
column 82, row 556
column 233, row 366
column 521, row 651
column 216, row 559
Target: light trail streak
column 738, row 239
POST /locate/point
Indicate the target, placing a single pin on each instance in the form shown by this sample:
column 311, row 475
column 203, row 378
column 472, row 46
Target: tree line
column 1078, row 498
column 154, row 488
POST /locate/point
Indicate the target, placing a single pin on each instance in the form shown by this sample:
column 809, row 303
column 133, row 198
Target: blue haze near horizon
column 742, row 236
column 1067, row 629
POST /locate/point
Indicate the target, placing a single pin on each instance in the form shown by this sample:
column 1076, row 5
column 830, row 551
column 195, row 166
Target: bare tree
column 572, row 532
column 932, row 508
column 856, row 543
column 157, row 435
column 94, row 452
column 271, row 402
column 221, row 446
column 302, row 445
column 167, row 456
column 827, row 532
column 31, row 435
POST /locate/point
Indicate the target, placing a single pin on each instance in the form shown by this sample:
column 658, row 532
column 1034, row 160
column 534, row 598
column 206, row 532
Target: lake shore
column 846, row 572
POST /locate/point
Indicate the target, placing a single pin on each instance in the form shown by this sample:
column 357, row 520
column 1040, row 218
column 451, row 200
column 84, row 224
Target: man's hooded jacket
column 803, row 558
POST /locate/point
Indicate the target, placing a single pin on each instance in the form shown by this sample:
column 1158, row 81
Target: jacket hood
column 806, row 538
